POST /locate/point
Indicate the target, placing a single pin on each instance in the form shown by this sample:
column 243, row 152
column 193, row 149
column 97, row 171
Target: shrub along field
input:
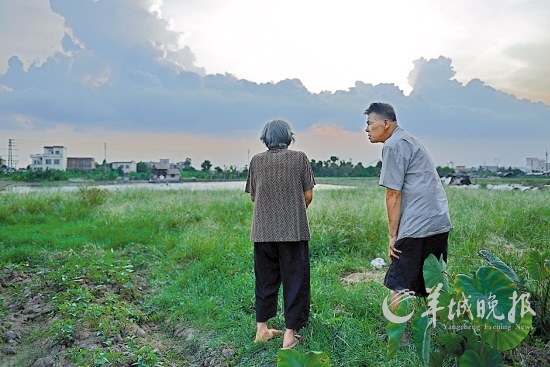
column 151, row 278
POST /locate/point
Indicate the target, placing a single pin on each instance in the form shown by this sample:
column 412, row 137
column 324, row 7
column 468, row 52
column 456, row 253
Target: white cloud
column 331, row 44
column 122, row 73
column 28, row 29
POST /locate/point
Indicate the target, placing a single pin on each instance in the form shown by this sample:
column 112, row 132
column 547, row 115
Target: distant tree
column 358, row 170
column 187, row 165
column 120, row 171
column 205, row 166
column 142, row 168
column 444, row 171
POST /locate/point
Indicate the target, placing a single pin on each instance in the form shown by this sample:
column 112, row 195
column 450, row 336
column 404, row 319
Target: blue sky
column 161, row 79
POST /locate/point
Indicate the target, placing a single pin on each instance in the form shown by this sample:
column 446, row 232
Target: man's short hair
column 384, row 110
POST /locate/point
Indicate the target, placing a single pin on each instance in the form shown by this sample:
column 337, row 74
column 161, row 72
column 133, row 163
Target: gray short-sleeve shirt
column 407, row 167
column 277, row 179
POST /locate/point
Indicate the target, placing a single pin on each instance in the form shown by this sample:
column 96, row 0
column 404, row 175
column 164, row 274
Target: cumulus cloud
column 121, row 69
column 30, row 30
column 532, row 76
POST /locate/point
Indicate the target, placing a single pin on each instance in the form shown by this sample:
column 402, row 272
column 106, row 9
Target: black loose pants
column 286, row 262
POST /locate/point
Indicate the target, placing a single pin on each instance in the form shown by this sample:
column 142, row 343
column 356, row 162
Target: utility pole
column 105, row 157
column 11, row 161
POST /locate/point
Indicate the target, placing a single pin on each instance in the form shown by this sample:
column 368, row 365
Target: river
column 224, row 185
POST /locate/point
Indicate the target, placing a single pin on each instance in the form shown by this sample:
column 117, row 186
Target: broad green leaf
column 471, row 339
column 292, row 358
column 395, row 331
column 435, row 273
column 453, row 344
column 436, row 359
column 489, row 295
column 509, row 339
column 421, row 334
column 500, row 265
column 488, row 357
column 535, row 266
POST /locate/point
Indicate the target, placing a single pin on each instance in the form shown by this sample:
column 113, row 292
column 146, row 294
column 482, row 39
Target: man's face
column 376, row 128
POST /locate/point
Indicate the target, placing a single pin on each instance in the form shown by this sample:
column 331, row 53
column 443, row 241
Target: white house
column 54, row 157
column 126, row 167
column 534, row 164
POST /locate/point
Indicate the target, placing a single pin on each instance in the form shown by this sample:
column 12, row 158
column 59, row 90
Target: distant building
column 163, row 173
column 126, row 167
column 536, row 165
column 80, row 164
column 54, row 157
column 160, row 163
column 493, row 169
column 460, row 169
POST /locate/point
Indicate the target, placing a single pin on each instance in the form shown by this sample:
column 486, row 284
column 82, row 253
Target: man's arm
column 308, row 195
column 393, row 205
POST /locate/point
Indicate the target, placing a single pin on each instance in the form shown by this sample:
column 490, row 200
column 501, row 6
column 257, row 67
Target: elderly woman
column 280, row 182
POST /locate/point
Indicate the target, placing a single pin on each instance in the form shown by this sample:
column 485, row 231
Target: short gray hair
column 277, row 134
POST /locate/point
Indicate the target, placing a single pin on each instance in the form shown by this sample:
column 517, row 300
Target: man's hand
column 393, row 205
column 393, row 252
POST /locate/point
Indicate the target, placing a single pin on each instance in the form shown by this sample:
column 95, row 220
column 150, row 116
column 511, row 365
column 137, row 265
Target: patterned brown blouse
column 277, row 179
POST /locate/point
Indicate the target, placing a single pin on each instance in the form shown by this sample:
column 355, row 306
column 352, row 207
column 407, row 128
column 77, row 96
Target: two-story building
column 54, row 157
column 126, row 167
column 80, row 164
column 534, row 164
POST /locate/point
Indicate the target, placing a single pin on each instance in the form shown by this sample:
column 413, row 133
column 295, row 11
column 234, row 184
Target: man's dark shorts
column 405, row 273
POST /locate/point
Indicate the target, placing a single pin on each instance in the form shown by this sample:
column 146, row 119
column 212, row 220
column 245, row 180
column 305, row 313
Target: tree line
column 332, row 167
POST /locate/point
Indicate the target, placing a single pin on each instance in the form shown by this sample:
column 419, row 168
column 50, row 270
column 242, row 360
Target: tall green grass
column 194, row 248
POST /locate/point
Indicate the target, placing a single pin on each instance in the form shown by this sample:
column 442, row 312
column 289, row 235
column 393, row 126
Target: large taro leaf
column 535, row 265
column 453, row 344
column 292, row 358
column 487, row 287
column 488, row 357
column 395, row 330
column 436, row 359
column 471, row 339
column 500, row 265
column 422, row 338
column 435, row 273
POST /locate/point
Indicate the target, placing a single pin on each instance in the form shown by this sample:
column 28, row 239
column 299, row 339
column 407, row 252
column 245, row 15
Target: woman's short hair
column 277, row 134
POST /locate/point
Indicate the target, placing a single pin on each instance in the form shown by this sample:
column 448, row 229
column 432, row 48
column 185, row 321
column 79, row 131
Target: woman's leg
column 268, row 281
column 295, row 274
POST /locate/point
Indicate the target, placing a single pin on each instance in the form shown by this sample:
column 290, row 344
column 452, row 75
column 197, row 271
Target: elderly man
column 418, row 213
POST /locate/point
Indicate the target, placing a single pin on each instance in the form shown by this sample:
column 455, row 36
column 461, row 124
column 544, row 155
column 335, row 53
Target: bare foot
column 291, row 340
column 267, row 334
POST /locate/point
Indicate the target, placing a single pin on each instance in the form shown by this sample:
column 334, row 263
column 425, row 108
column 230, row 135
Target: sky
column 153, row 79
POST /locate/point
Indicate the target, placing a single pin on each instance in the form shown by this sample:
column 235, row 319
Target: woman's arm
column 308, row 195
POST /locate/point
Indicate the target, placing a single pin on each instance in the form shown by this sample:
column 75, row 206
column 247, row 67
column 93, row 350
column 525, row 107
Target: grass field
column 151, row 278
